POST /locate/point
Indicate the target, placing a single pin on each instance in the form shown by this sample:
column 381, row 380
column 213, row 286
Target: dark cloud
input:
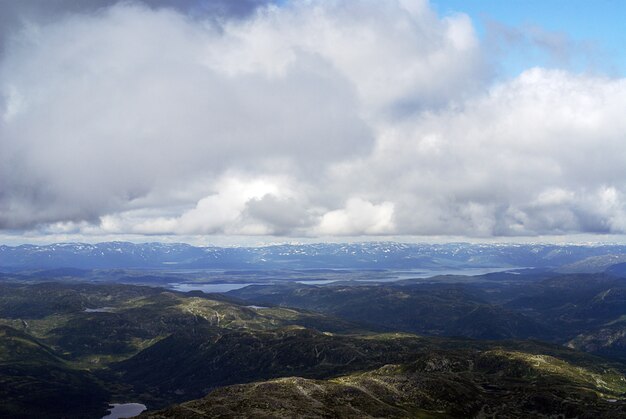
column 281, row 216
column 13, row 13
column 12, row 9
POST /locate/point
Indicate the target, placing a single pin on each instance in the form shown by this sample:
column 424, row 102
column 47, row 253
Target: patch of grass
column 606, row 382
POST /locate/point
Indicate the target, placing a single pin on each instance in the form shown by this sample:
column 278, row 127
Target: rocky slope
column 458, row 384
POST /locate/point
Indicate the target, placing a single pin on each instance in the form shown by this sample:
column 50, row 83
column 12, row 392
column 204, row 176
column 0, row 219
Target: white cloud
column 357, row 218
column 393, row 54
column 120, row 103
column 530, row 156
column 314, row 118
column 220, row 212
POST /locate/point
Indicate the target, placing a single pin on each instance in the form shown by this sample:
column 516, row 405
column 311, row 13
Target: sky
column 579, row 35
column 252, row 121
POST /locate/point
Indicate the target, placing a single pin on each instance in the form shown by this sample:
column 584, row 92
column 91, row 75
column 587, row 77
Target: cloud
column 540, row 154
column 16, row 14
column 231, row 210
column 312, row 118
column 106, row 110
column 395, row 54
column 129, row 102
column 359, row 217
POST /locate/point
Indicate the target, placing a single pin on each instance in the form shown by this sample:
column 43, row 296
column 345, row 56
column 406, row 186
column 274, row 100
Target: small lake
column 208, row 288
column 124, row 410
column 318, row 281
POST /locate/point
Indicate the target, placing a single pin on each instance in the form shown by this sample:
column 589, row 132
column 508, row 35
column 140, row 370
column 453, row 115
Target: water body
column 124, row 410
column 225, row 287
column 319, row 281
column 386, row 276
column 426, row 273
column 208, row 288
column 393, row 276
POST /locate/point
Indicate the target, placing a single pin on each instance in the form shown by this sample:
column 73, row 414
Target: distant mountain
column 376, row 255
column 618, row 269
column 594, row 264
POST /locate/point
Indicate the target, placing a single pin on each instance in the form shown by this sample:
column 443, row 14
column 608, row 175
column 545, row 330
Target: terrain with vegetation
column 543, row 342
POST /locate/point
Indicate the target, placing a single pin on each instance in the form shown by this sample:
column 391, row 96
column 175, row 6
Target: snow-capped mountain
column 376, row 255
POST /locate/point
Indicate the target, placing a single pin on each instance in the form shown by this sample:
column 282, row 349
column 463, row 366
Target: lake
column 386, row 276
column 208, row 288
column 124, row 410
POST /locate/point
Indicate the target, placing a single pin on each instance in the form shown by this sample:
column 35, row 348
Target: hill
column 35, row 382
column 69, row 348
column 439, row 384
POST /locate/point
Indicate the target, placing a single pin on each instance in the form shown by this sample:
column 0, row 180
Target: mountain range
column 374, row 255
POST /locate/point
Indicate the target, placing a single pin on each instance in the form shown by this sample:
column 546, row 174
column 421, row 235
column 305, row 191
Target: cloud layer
column 311, row 118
